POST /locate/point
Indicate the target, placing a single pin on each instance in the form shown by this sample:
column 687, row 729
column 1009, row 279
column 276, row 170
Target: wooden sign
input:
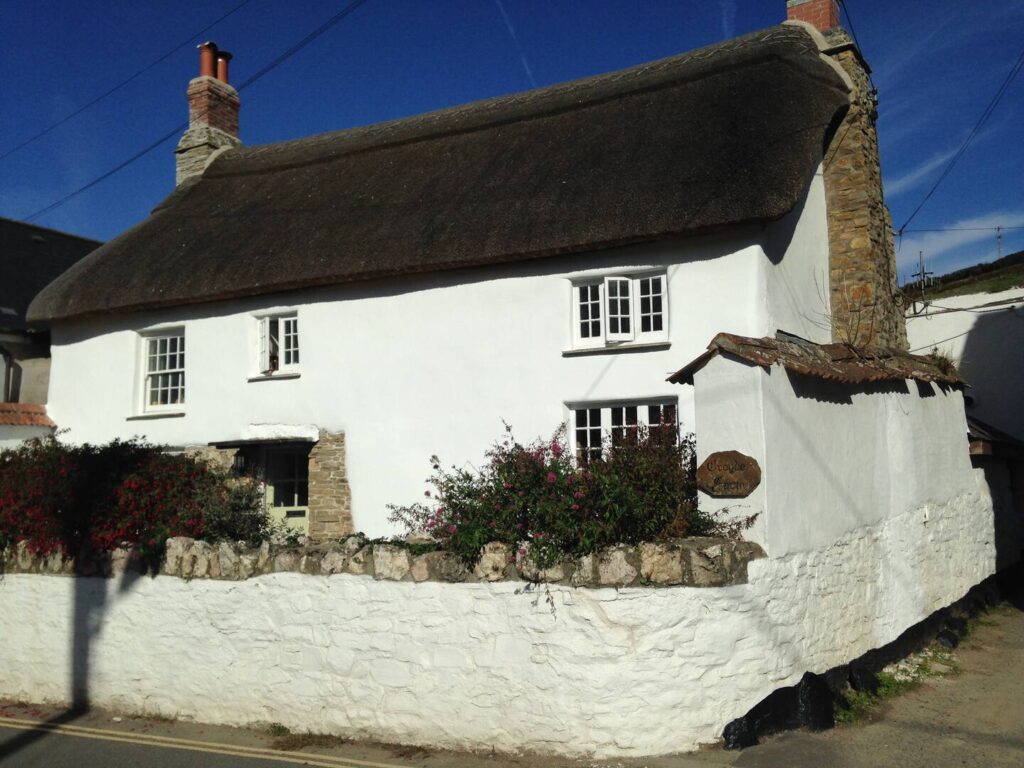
column 728, row 475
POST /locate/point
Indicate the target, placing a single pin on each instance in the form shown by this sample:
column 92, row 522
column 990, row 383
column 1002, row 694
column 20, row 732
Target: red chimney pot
column 223, row 57
column 207, row 54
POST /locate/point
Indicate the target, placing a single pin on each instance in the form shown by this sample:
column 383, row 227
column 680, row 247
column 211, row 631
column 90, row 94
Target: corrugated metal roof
column 24, row 415
column 833, row 362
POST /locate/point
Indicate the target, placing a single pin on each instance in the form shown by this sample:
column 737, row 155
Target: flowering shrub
column 642, row 489
column 97, row 498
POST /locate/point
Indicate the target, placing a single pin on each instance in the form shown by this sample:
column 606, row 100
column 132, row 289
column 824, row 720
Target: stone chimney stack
column 865, row 305
column 212, row 114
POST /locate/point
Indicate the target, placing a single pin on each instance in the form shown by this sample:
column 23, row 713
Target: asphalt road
column 975, row 718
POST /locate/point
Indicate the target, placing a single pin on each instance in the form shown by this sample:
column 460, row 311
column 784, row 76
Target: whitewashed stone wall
column 559, row 670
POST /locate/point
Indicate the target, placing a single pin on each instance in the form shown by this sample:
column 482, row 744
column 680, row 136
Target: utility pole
column 999, row 242
column 921, row 275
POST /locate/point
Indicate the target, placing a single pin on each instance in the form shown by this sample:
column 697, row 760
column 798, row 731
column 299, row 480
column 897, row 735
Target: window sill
column 275, row 376
column 617, row 349
column 156, row 415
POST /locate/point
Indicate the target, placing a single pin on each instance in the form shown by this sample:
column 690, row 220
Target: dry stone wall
column 698, row 562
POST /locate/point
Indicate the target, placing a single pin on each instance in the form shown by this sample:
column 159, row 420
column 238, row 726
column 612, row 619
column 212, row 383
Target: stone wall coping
column 692, row 562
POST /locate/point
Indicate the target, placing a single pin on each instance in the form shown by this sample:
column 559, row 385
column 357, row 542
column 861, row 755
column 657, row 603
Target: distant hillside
column 1000, row 275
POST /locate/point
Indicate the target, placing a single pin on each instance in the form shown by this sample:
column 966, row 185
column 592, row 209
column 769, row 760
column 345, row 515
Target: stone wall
column 865, row 303
column 696, row 562
column 222, row 458
column 504, row 665
column 330, row 498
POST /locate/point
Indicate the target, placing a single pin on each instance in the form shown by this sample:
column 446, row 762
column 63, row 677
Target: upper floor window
column 619, row 310
column 278, row 343
column 164, row 370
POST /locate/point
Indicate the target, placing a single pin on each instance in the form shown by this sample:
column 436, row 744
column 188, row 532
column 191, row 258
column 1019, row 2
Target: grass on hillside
column 1001, row 280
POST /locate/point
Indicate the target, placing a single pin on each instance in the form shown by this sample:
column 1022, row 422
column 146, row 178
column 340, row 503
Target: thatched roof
column 833, row 362
column 720, row 136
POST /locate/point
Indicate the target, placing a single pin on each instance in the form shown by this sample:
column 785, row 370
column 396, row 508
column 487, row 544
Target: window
column 278, row 343
column 284, row 470
column 164, row 371
column 287, row 477
column 595, row 425
column 619, row 310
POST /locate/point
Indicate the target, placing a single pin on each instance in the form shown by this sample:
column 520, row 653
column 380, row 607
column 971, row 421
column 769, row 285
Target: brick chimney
column 822, row 14
column 865, row 305
column 212, row 114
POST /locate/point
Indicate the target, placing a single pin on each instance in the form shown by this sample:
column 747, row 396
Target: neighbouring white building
column 983, row 333
column 335, row 310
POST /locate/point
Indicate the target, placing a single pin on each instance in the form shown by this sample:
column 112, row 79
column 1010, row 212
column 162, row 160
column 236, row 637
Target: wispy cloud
column 519, row 47
column 728, row 18
column 915, row 176
column 941, row 248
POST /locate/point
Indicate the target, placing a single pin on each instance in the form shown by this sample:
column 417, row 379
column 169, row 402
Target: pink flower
column 507, row 486
column 556, row 450
column 578, row 495
column 570, row 479
column 552, row 477
column 575, row 507
column 452, row 528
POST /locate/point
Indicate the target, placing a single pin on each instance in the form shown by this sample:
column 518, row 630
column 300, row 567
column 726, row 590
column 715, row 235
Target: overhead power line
column 266, row 69
column 970, row 137
column 957, row 229
column 123, row 83
column 845, row 7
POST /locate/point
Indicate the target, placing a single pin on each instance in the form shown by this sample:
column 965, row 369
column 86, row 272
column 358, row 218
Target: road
column 970, row 719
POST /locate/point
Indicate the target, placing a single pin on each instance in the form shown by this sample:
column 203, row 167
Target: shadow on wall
column 993, row 363
column 89, row 608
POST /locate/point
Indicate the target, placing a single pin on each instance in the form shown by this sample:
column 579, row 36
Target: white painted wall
column 834, row 458
column 606, row 672
column 433, row 364
column 796, row 271
column 12, row 437
column 987, row 343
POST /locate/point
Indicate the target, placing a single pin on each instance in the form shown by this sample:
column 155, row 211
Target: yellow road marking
column 170, row 742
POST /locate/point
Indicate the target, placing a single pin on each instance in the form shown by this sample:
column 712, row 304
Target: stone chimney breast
column 213, row 106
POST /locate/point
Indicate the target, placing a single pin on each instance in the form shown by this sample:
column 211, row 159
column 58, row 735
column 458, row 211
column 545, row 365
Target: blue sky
column 936, row 65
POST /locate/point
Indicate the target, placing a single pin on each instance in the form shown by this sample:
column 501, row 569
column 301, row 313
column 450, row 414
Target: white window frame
column 606, row 408
column 287, row 360
column 629, row 333
column 155, row 335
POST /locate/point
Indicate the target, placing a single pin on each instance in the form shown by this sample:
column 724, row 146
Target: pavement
column 973, row 718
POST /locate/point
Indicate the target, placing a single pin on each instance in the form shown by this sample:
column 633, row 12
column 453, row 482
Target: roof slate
column 833, row 362
column 30, row 258
column 724, row 135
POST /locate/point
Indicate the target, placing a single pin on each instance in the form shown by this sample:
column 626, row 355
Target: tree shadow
column 91, row 593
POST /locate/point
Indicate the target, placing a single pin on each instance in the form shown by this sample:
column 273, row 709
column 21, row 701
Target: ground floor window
column 284, row 470
column 595, row 425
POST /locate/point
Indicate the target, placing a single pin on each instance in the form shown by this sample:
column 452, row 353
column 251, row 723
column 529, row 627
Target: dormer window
column 619, row 310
